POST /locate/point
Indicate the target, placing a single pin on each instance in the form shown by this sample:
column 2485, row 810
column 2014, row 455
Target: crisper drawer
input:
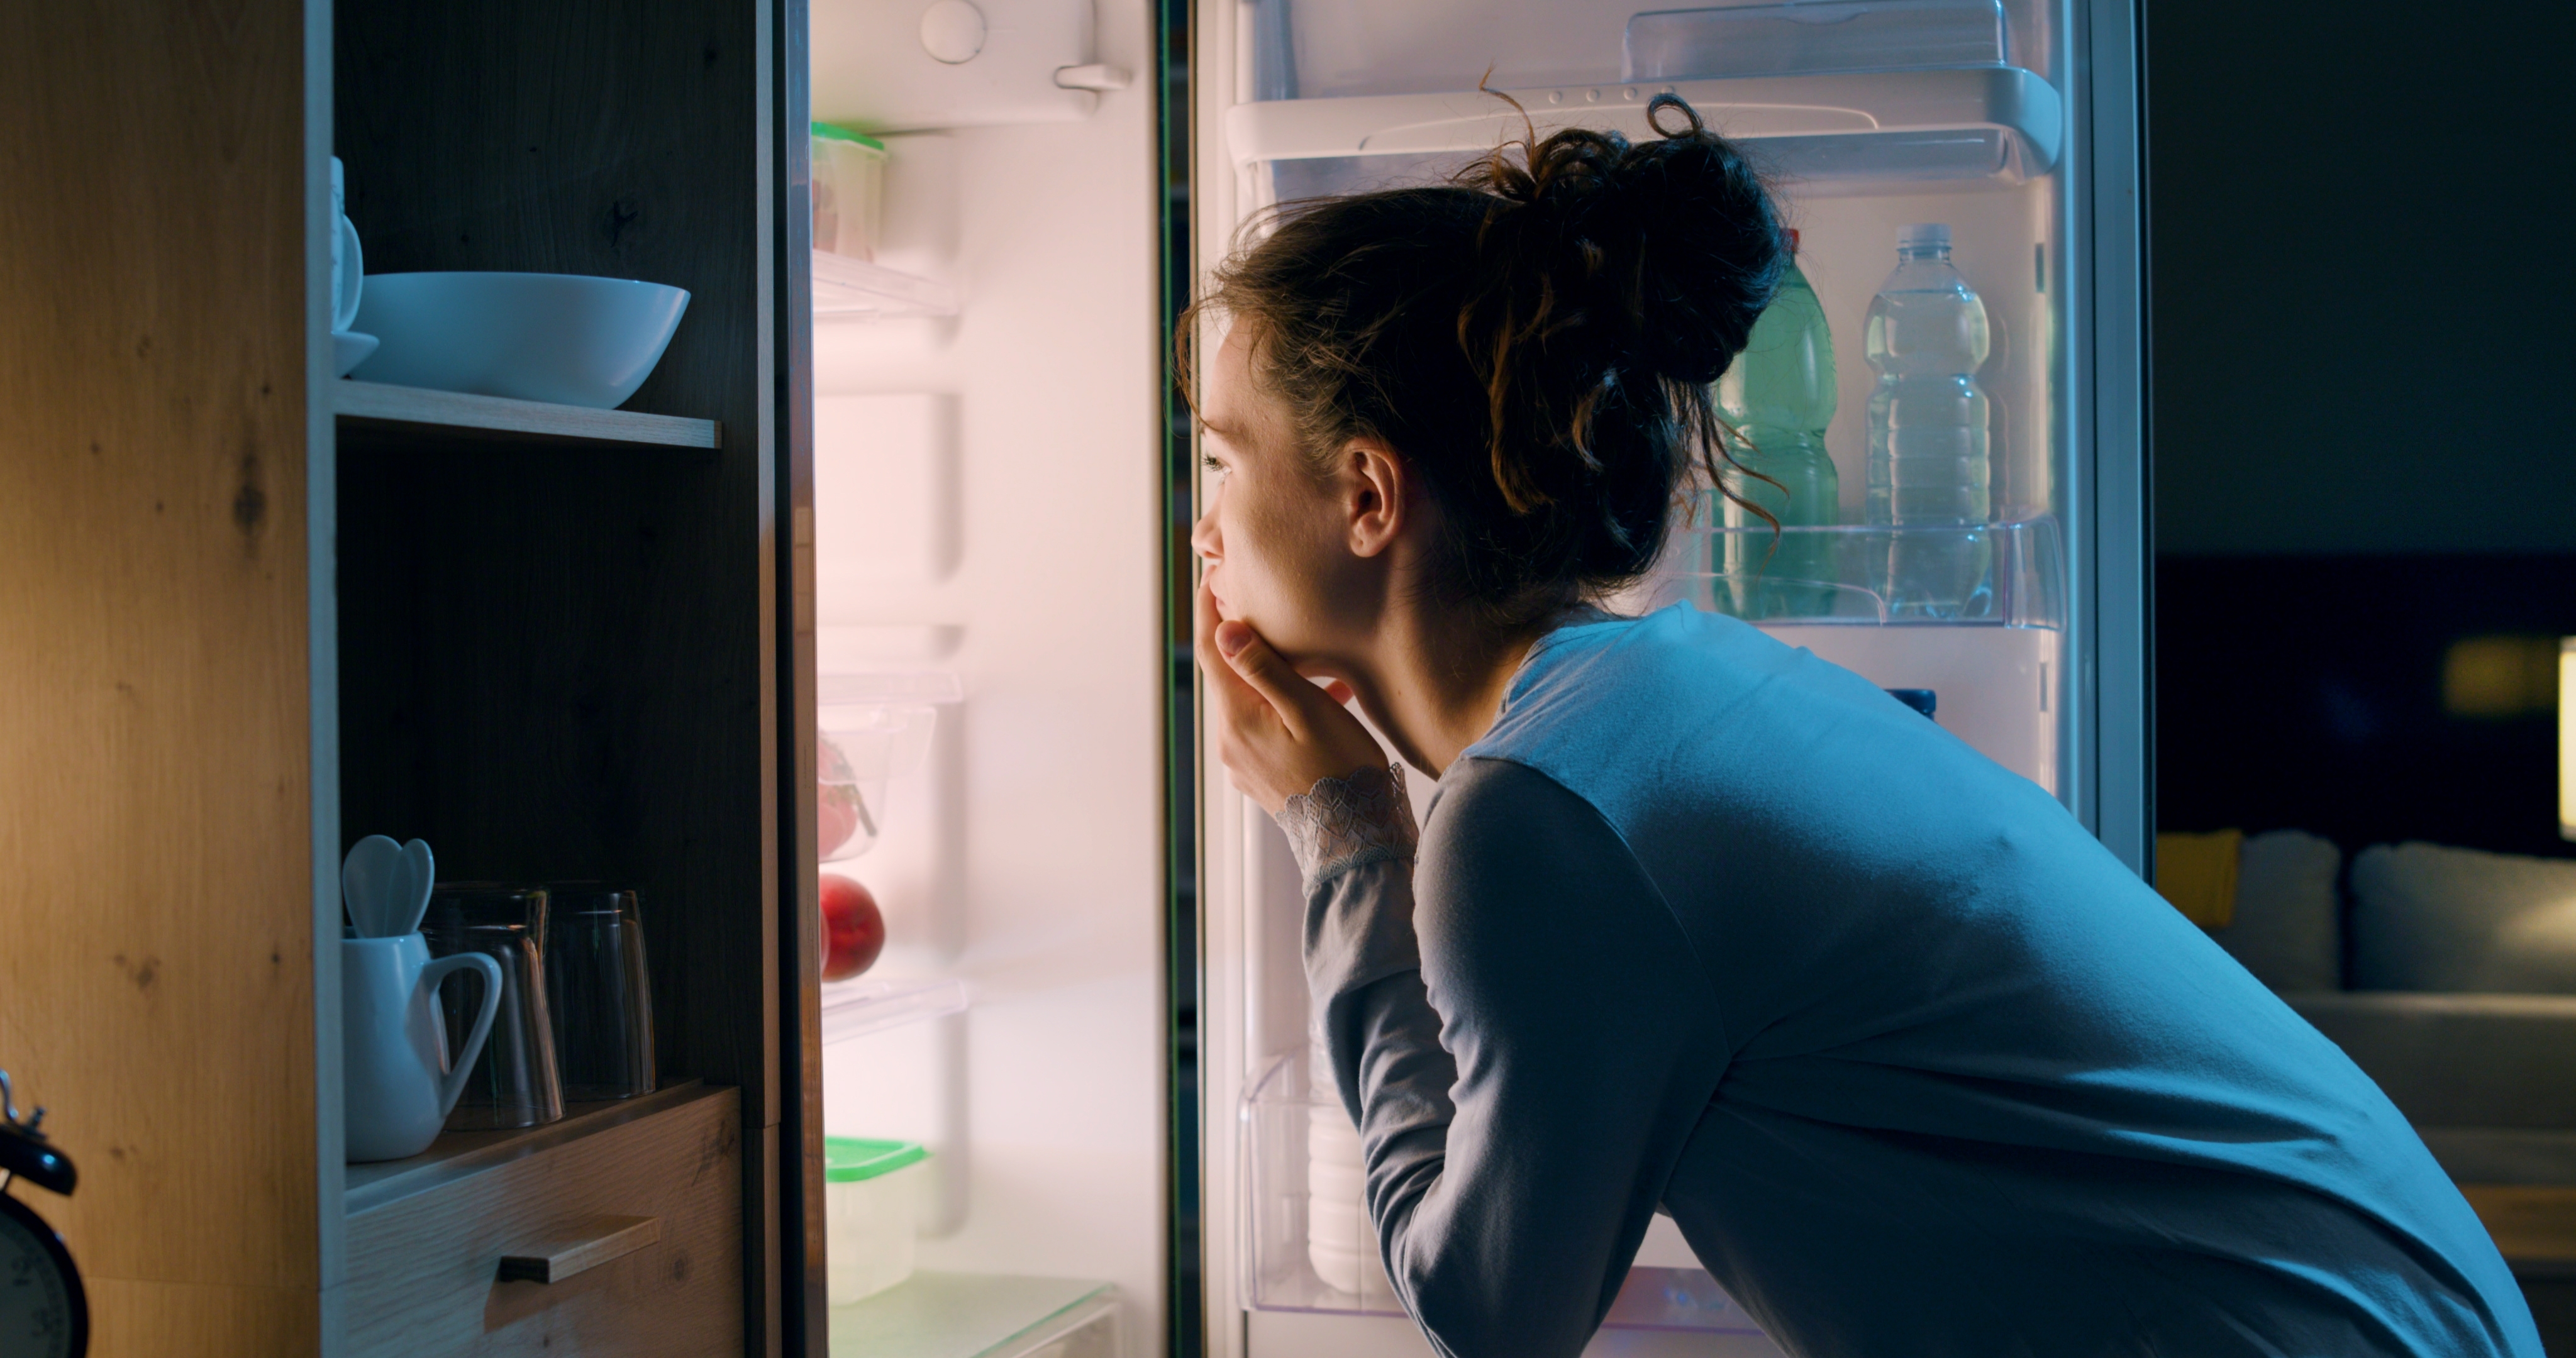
column 615, row 1231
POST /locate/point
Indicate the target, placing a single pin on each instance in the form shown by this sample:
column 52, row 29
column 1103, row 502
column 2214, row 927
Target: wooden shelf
column 461, row 1155
column 380, row 406
column 967, row 1315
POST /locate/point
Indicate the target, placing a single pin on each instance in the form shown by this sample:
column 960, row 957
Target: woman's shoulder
column 1601, row 687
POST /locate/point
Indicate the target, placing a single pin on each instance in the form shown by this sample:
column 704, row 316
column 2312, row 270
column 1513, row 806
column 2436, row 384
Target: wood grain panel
column 423, row 1269
column 156, row 987
column 157, row 1320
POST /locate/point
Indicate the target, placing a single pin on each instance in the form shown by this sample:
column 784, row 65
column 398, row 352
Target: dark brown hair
column 1537, row 338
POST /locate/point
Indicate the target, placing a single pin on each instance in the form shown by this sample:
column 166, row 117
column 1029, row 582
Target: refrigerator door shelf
column 2005, row 99
column 855, row 287
column 872, row 1004
column 1996, row 662
column 2010, row 574
column 980, row 1315
column 1292, row 1182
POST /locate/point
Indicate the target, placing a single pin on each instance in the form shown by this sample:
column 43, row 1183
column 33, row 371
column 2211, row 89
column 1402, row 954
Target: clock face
column 43, row 1312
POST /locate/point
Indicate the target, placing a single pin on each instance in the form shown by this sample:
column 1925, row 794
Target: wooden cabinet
column 638, row 1208
column 249, row 613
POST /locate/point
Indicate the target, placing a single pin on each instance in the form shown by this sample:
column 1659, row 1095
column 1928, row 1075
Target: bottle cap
column 1923, row 236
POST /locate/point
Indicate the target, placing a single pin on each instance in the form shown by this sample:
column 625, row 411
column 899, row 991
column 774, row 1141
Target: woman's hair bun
column 1674, row 239
column 1538, row 337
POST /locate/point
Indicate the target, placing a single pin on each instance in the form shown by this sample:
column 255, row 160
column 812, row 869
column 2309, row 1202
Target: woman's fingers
column 1228, row 687
column 1260, row 667
column 1277, row 732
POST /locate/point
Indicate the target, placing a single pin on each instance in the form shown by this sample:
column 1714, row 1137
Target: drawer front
column 424, row 1270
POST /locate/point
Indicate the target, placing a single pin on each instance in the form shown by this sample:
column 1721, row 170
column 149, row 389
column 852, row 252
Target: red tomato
column 853, row 928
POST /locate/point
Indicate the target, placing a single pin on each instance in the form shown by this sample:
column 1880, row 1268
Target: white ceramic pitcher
column 395, row 1093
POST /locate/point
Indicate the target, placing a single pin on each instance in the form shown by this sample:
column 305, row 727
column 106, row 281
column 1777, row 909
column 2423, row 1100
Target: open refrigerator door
column 2008, row 122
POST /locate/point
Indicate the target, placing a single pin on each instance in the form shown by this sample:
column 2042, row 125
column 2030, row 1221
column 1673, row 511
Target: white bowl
column 348, row 350
column 566, row 338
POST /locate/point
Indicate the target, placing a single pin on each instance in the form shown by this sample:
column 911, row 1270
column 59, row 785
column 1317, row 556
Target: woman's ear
column 1378, row 490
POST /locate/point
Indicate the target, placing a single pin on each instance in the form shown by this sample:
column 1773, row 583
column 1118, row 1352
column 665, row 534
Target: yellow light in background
column 2567, row 738
column 2488, row 677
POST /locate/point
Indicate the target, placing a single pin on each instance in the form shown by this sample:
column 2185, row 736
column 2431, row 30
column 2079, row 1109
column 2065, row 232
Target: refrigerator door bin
column 2013, row 104
column 1310, row 1246
column 2012, row 574
column 1996, row 662
column 1812, row 36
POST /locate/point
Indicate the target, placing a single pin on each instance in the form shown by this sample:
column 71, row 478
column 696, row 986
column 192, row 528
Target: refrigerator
column 1090, row 1007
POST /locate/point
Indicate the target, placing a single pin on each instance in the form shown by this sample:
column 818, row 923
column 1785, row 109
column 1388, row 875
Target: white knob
column 952, row 31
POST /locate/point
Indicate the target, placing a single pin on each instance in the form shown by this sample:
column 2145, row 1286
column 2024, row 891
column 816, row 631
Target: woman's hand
column 1278, row 733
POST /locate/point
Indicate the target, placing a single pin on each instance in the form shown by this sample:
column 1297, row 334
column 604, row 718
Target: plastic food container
column 849, row 191
column 871, row 1193
column 871, row 729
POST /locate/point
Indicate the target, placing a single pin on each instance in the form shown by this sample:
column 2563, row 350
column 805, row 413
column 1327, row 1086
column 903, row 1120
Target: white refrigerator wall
column 986, row 504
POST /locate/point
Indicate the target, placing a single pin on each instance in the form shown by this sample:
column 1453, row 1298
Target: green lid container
column 835, row 132
column 849, row 1160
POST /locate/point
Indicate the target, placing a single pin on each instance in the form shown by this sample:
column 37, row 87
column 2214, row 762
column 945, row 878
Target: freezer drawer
column 636, row 1224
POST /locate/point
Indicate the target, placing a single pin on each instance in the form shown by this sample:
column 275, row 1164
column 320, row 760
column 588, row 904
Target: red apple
column 853, row 928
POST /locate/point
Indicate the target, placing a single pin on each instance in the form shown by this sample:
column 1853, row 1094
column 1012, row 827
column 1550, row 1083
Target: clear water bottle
column 1928, row 469
column 1779, row 396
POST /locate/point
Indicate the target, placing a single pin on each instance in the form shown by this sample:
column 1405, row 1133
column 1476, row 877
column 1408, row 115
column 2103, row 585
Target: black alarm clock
column 44, row 1313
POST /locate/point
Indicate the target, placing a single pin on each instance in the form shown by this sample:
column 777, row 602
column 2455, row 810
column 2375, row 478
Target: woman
column 1698, row 921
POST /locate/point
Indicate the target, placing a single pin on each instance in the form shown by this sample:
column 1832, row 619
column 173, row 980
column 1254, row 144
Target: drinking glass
column 599, row 991
column 515, row 1082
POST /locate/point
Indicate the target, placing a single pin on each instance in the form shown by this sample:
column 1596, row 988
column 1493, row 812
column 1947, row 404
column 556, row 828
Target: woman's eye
column 1214, row 467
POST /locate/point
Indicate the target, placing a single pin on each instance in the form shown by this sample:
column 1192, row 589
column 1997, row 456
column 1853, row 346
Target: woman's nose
column 1203, row 537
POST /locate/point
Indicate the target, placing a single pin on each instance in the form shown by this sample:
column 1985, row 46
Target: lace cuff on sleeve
column 1344, row 823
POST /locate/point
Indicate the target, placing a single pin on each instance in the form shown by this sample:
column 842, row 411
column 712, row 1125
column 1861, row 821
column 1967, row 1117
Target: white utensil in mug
column 420, row 876
column 368, row 883
column 348, row 262
column 394, row 1094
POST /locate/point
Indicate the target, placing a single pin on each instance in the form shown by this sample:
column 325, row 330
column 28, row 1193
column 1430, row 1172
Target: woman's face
column 1274, row 535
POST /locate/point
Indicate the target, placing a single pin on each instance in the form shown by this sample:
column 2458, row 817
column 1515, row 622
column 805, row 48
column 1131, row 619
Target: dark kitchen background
column 2364, row 418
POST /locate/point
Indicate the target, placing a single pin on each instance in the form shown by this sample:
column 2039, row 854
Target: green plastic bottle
column 1779, row 396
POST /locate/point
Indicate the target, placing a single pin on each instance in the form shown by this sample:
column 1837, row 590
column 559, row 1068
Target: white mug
column 348, row 262
column 396, row 1084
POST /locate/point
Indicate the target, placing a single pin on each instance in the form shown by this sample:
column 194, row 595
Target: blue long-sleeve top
column 1918, row 1067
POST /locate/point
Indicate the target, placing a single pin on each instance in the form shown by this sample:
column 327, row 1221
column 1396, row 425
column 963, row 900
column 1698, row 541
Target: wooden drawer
column 427, row 1238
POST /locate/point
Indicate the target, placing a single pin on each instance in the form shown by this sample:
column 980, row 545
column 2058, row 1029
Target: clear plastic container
column 849, row 191
column 1809, row 37
column 871, row 1199
column 1311, row 1246
column 870, row 730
